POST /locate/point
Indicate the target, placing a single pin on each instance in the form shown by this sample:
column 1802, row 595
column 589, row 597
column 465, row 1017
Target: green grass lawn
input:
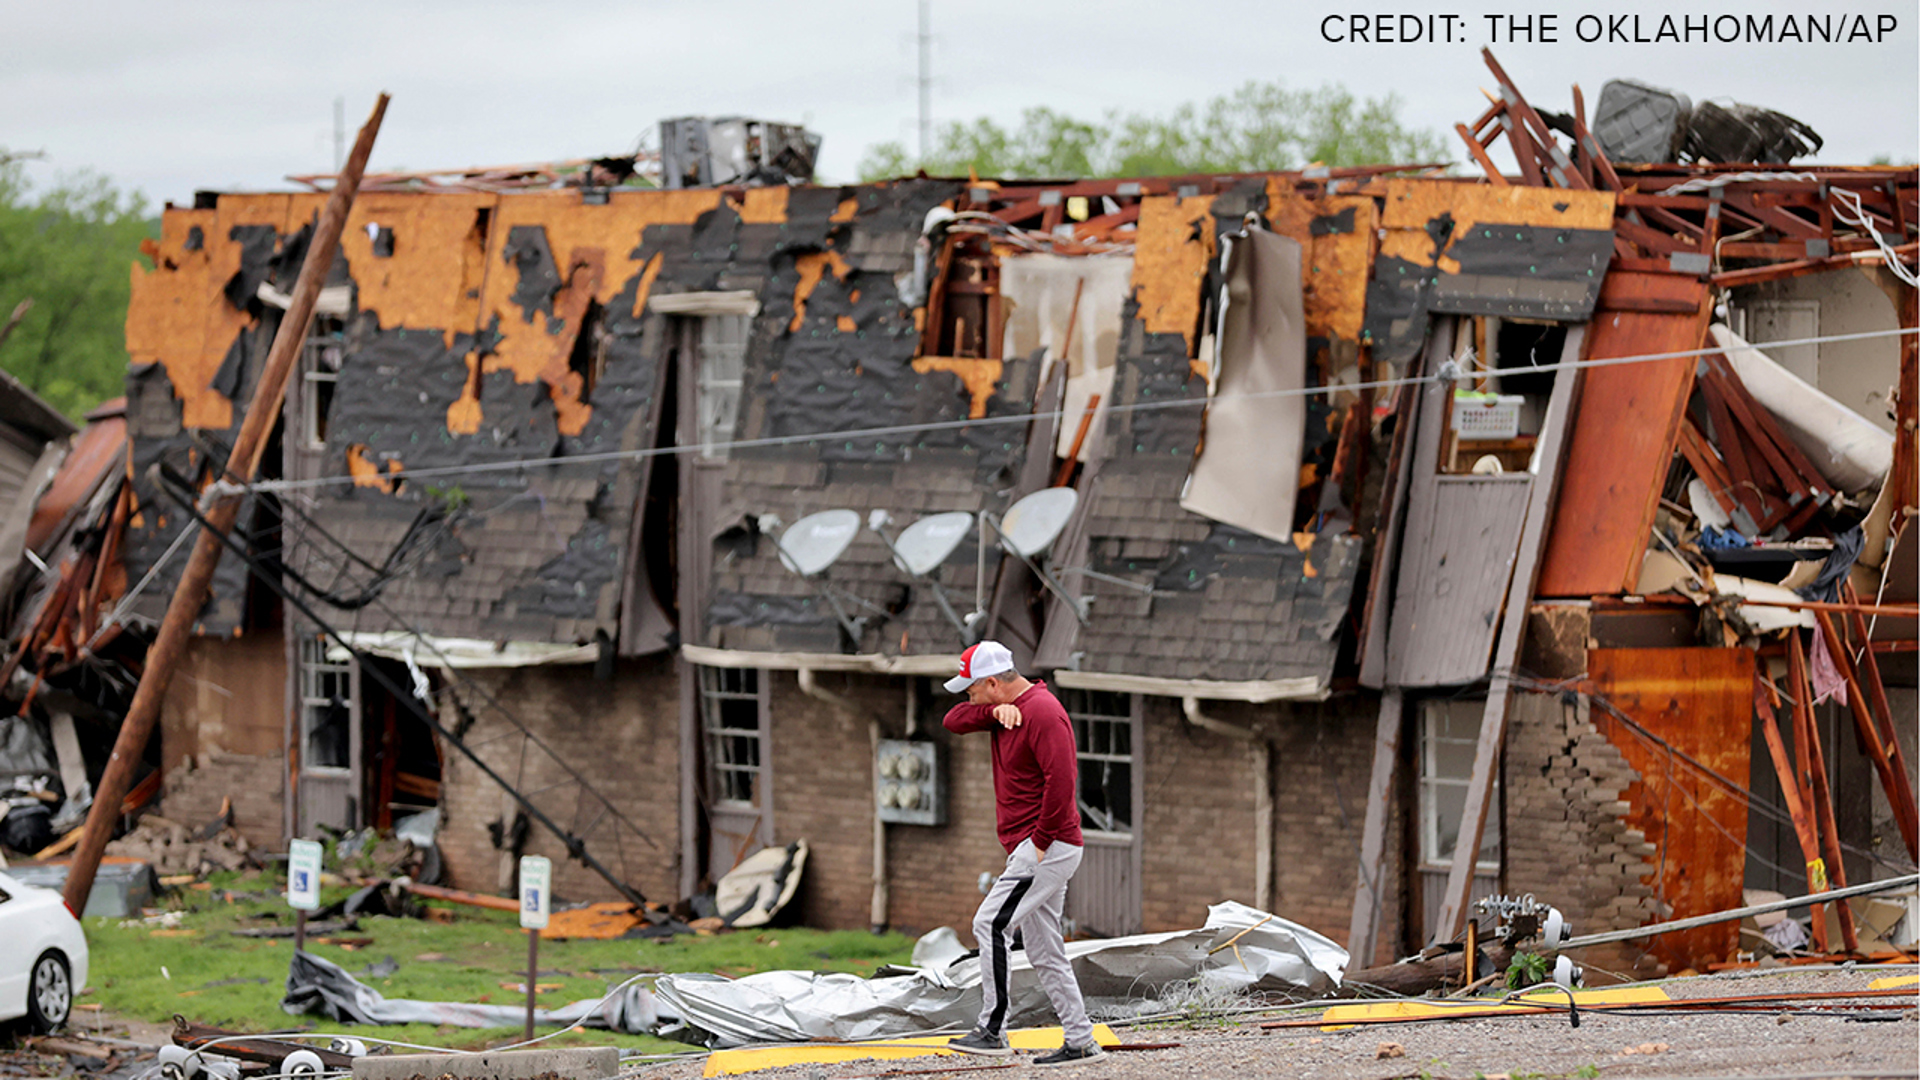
column 204, row 972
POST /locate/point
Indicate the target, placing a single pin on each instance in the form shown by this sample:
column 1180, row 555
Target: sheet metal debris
column 1239, row 949
column 316, row 986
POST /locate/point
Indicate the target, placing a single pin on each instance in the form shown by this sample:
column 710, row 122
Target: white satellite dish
column 814, row 542
column 1031, row 525
column 926, row 543
column 922, row 548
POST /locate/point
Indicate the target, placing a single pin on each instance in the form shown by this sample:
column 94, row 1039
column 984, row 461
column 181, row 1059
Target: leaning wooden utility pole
column 224, row 506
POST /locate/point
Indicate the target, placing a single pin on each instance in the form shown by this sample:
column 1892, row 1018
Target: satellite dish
column 815, row 541
column 1031, row 524
column 927, row 542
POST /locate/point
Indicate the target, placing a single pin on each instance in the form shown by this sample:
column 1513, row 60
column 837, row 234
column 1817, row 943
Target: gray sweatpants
column 1029, row 897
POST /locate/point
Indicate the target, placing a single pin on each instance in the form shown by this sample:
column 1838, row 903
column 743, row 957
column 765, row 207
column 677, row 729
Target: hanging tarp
column 1248, row 469
column 1239, row 948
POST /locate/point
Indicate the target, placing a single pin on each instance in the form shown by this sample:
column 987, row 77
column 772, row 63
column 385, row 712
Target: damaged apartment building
column 636, row 527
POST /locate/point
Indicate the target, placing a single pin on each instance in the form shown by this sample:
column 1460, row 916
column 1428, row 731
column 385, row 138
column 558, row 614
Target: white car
column 43, row 955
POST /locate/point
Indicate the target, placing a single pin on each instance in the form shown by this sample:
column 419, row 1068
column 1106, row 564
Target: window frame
column 1429, row 780
column 711, row 687
column 1111, row 710
column 313, row 665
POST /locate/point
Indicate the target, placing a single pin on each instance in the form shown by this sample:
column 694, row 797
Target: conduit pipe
column 877, row 908
column 1262, row 795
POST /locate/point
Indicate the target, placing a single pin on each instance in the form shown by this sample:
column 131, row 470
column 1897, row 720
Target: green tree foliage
column 68, row 248
column 1259, row 127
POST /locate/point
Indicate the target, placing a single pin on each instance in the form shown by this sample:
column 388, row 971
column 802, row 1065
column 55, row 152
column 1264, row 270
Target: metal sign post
column 536, row 900
column 303, row 885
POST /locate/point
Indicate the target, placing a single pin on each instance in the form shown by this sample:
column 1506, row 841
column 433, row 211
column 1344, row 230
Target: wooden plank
column 1746, row 487
column 1454, row 568
column 1795, row 473
column 1698, row 703
column 1369, row 891
column 1767, row 426
column 1386, row 553
column 1901, row 795
column 1623, row 442
column 1769, row 720
column 1863, row 721
column 1554, row 436
column 1815, row 763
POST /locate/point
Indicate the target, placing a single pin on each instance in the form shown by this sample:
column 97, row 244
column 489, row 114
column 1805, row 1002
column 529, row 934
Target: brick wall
column 194, row 790
column 229, row 695
column 1567, row 841
column 621, row 733
column 1322, row 763
column 223, row 734
column 823, row 793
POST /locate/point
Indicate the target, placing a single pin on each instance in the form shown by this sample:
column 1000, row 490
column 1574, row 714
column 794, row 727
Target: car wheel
column 49, row 992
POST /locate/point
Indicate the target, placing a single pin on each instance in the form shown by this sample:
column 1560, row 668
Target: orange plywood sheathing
column 763, row 206
column 368, row 475
column 1335, row 265
column 1173, row 244
column 577, row 233
column 1624, row 433
column 978, row 376
column 848, row 207
column 1699, row 703
column 413, row 287
column 812, row 266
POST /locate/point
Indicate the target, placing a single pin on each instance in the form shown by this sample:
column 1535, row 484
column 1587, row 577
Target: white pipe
column 877, row 908
column 1262, row 795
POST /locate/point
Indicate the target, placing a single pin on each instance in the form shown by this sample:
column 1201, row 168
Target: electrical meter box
column 909, row 786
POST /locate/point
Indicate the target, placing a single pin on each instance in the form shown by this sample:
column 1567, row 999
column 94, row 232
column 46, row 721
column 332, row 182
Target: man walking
column 1035, row 773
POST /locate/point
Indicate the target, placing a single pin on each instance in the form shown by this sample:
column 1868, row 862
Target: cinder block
column 580, row 1063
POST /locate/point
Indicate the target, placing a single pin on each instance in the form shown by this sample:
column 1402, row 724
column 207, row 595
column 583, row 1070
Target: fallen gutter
column 1262, row 795
column 877, row 908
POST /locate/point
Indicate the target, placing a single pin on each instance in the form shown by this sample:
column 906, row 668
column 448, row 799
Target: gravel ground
column 1777, row 1041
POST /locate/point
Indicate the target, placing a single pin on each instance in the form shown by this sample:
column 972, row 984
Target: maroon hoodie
column 1035, row 770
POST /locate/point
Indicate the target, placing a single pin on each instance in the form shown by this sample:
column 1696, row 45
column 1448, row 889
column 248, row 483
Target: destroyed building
column 1367, row 535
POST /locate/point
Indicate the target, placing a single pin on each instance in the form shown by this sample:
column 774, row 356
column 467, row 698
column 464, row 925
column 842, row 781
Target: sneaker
column 1072, row 1055
column 981, row 1041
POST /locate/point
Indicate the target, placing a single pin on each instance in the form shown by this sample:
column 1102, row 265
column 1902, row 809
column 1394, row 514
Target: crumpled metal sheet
column 1239, row 948
column 316, row 986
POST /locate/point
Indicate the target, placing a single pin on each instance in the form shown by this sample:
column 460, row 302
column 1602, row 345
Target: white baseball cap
column 978, row 662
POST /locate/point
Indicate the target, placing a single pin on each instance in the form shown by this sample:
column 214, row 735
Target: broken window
column 722, row 357
column 326, row 709
column 320, row 359
column 730, row 716
column 1449, row 733
column 1103, row 732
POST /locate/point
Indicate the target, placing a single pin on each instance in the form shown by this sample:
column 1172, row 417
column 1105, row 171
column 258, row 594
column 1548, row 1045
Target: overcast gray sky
column 223, row 94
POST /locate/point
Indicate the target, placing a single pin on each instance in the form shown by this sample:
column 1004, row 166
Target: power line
column 1023, row 417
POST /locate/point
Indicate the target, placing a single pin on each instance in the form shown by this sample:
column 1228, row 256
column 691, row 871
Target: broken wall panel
column 1686, row 703
column 1471, row 249
column 1623, row 435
